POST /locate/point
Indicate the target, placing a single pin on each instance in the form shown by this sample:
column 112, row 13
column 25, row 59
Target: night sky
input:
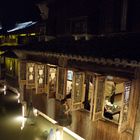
column 12, row 11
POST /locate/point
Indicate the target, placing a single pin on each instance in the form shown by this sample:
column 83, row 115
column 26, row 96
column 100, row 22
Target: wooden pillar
column 124, row 15
column 133, row 113
column 21, row 78
column 136, row 112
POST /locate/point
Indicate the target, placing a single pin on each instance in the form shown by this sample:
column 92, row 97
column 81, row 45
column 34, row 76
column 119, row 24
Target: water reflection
column 12, row 121
column 14, row 126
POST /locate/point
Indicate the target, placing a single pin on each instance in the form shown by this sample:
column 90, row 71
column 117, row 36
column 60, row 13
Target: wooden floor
column 99, row 130
column 79, row 122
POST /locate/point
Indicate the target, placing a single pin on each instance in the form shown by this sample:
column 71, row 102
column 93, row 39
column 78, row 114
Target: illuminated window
column 31, row 69
column 40, row 80
column 31, row 73
column 40, row 72
column 11, row 66
column 31, row 77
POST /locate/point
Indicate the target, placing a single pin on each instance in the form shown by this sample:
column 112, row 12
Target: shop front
column 112, row 99
column 105, row 93
column 102, row 96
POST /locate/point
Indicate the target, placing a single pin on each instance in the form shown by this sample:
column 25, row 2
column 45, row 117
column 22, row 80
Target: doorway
column 89, row 87
column 52, row 81
column 69, row 83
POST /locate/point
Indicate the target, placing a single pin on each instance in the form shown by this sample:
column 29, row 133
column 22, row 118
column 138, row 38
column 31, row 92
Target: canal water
column 14, row 127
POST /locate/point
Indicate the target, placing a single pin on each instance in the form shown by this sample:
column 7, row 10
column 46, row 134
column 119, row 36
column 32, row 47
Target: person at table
column 110, row 88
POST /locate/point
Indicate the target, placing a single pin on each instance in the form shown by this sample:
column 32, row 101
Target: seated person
column 67, row 103
column 87, row 105
column 107, row 114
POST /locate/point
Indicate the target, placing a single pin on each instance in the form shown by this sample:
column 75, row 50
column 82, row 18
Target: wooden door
column 40, row 78
column 88, row 95
column 92, row 92
column 61, row 82
column 52, row 81
column 98, row 98
column 30, row 75
column 77, row 90
column 123, row 122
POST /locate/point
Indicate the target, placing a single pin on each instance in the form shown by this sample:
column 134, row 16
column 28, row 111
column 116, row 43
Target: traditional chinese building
column 48, row 73
column 94, row 69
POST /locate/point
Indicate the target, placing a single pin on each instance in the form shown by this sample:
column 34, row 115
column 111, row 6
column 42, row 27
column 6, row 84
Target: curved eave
column 98, row 60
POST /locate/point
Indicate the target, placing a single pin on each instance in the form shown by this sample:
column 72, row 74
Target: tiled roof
column 119, row 50
column 9, row 54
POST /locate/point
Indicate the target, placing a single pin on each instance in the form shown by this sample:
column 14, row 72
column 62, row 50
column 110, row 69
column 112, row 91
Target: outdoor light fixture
column 18, row 101
column 22, row 34
column 23, row 123
column 35, row 112
column 23, row 119
column 32, row 34
column 4, row 89
column 18, row 96
column 23, row 111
